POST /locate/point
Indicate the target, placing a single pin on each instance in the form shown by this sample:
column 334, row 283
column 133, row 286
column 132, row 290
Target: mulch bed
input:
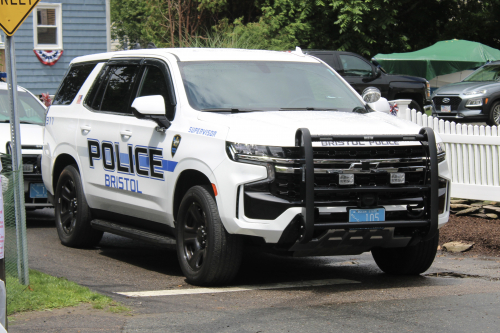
column 484, row 233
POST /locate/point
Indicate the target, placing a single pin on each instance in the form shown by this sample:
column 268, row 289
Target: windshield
column 486, row 73
column 30, row 111
column 265, row 85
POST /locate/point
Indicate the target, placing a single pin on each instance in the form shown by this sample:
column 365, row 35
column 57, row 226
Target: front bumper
column 32, row 199
column 458, row 109
column 35, row 194
column 282, row 221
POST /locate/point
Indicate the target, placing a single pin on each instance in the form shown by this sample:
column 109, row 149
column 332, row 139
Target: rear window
column 72, row 83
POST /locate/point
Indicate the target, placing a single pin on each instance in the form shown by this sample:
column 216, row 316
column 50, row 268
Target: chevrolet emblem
column 363, row 166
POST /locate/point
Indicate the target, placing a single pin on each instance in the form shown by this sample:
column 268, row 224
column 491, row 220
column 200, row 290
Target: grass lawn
column 47, row 292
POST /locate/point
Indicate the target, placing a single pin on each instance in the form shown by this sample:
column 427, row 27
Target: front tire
column 494, row 118
column 72, row 214
column 208, row 254
column 414, row 105
column 411, row 260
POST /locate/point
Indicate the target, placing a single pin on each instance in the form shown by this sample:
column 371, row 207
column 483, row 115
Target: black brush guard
column 304, row 139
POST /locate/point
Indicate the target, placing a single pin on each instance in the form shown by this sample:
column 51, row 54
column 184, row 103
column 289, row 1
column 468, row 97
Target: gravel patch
column 484, row 233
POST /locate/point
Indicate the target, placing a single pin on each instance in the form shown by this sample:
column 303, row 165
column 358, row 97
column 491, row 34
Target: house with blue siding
column 53, row 34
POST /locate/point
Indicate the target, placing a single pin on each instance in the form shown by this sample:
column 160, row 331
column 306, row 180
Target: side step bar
column 134, row 233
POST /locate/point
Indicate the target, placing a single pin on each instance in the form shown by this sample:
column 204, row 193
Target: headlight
column 248, row 153
column 257, row 154
column 476, row 92
column 474, row 102
column 441, row 151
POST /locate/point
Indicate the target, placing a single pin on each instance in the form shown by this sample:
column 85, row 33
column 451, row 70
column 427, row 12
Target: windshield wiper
column 232, row 110
column 307, row 109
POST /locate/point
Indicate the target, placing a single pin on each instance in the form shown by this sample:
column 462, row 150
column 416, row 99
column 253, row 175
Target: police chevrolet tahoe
column 212, row 150
column 31, row 116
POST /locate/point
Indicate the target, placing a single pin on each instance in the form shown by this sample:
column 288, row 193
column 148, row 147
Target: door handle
column 126, row 134
column 85, row 129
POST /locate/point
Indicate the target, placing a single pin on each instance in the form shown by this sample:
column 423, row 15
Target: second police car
column 211, row 150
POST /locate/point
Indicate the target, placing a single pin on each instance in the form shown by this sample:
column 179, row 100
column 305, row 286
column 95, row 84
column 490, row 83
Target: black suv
column 360, row 73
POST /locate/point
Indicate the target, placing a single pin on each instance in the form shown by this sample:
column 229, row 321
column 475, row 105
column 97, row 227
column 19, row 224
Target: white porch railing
column 473, row 154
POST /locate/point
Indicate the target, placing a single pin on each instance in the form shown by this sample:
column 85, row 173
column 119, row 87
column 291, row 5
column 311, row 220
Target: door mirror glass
column 150, row 105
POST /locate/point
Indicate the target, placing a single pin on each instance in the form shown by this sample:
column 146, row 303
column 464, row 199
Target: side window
column 155, row 83
column 72, row 83
column 116, row 89
column 354, row 66
column 328, row 58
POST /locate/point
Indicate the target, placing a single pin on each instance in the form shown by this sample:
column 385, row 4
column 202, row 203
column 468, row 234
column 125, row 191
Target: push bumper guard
column 304, row 139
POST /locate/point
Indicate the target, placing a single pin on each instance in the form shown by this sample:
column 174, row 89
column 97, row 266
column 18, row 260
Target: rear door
column 123, row 156
column 98, row 136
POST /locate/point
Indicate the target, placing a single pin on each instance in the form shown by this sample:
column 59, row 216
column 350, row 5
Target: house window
column 47, row 26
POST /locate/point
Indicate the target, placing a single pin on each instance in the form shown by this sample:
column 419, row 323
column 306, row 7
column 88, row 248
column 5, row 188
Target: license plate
column 27, row 167
column 445, row 108
column 367, row 215
column 38, row 191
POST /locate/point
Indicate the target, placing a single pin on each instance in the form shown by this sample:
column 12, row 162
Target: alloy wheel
column 195, row 236
column 68, row 206
column 496, row 115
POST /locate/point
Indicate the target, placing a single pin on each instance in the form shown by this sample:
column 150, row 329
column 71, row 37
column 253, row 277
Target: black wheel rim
column 68, row 206
column 194, row 236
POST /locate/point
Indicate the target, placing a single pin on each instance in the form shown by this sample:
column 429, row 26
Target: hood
column 405, row 78
column 458, row 88
column 277, row 128
column 31, row 135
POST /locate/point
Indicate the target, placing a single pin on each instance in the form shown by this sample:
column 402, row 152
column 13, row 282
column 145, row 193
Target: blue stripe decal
column 144, row 161
column 168, row 165
column 124, row 159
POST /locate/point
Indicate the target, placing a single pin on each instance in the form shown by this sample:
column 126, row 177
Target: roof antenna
column 298, row 51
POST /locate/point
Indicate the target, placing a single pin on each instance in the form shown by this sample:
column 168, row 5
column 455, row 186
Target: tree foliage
column 367, row 27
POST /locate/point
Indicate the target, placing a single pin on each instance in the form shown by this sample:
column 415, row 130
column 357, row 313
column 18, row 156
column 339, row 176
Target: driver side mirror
column 150, row 105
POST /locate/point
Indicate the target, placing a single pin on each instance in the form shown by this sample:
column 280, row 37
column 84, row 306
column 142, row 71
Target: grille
column 454, row 102
column 330, row 162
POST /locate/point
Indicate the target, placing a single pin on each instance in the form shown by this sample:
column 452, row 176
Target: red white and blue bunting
column 48, row 58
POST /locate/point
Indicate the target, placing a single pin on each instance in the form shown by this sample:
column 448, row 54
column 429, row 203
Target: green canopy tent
column 445, row 57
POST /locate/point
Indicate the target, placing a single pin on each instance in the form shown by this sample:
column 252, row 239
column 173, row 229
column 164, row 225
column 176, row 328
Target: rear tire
column 208, row 254
column 494, row 117
column 72, row 214
column 411, row 260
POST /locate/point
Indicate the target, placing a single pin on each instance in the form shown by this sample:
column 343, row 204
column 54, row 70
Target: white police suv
column 31, row 115
column 211, row 150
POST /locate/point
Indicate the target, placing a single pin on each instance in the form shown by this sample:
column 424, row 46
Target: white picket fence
column 473, row 154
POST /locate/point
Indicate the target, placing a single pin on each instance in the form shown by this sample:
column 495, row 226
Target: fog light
column 346, row 179
column 397, row 178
